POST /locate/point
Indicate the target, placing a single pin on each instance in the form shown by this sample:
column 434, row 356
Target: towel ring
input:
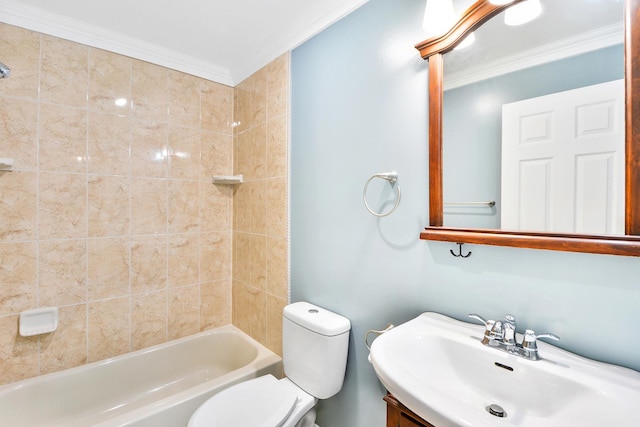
column 392, row 177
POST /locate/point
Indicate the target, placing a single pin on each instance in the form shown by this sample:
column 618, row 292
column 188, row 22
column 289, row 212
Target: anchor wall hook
column 459, row 254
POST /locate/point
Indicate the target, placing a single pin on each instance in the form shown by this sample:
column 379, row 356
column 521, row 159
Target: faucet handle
column 489, row 333
column 480, row 318
column 530, row 338
column 550, row 336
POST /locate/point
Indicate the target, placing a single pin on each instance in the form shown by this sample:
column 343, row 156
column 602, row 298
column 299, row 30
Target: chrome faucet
column 501, row 334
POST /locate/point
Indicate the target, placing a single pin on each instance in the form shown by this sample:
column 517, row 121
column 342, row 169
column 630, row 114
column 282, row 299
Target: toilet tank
column 315, row 343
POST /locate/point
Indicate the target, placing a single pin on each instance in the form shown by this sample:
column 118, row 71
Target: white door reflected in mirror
column 563, row 161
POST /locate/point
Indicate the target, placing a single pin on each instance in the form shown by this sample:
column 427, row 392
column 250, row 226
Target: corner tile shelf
column 227, row 179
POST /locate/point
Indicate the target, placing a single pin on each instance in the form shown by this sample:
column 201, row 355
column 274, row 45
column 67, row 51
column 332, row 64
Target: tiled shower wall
column 260, row 216
column 110, row 213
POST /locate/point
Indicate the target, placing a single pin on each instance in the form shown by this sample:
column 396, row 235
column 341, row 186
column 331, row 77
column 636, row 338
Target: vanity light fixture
column 523, row 12
column 438, row 17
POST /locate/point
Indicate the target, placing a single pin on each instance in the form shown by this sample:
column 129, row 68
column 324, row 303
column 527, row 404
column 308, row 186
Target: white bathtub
column 157, row 387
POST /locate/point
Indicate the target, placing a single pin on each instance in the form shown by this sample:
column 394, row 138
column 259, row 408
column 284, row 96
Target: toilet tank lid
column 317, row 319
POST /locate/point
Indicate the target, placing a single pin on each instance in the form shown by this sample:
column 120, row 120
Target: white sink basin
column 437, row 367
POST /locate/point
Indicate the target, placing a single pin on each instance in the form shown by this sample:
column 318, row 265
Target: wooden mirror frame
column 629, row 244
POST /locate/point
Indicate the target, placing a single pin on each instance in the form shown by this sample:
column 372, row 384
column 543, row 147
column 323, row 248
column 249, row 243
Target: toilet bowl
column 315, row 345
column 261, row 402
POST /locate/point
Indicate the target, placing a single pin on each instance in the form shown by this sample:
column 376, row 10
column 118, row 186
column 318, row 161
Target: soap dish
column 38, row 321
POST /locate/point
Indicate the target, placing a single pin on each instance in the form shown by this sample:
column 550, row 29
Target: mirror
column 518, row 163
column 482, row 230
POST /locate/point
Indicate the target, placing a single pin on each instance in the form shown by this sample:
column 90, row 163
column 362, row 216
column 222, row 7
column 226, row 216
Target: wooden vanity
column 399, row 415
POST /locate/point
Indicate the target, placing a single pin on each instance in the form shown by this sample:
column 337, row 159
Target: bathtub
column 156, row 387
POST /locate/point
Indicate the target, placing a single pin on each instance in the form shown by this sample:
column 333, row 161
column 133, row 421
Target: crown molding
column 36, row 19
column 272, row 47
column 582, row 43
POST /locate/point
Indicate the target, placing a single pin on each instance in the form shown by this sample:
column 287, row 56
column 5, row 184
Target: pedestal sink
column 438, row 368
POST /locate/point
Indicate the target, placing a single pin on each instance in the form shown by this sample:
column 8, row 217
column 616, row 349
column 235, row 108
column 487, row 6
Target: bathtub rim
column 265, row 361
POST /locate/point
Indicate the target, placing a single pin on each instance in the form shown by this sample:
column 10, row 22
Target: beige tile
column 260, row 152
column 215, row 207
column 276, row 222
column 184, row 206
column 275, row 308
column 62, row 207
column 216, row 107
column 184, row 311
column 21, row 52
column 183, row 259
column 277, row 156
column 148, row 319
column 277, row 267
column 63, row 139
column 277, row 86
column 258, row 196
column 258, row 314
column 242, row 257
column 109, row 82
column 250, row 104
column 215, row 256
column 149, row 150
column 148, row 263
column 18, row 131
column 258, row 262
column 252, row 153
column 108, row 268
column 109, row 328
column 216, row 152
column 242, row 207
column 108, row 145
column 184, row 153
column 18, row 207
column 258, row 143
column 104, row 174
column 214, row 305
column 241, row 306
column 242, row 156
column 184, row 100
column 148, row 206
column 150, row 98
column 67, row 346
column 17, row 277
column 64, row 76
column 108, row 206
column 18, row 355
column 62, row 270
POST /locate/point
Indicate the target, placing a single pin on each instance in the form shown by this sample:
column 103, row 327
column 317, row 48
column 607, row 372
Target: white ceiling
column 221, row 40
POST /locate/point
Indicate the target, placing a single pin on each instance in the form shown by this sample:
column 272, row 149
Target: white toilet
column 315, row 343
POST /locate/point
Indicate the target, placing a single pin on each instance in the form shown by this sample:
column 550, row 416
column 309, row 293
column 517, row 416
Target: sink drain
column 496, row 410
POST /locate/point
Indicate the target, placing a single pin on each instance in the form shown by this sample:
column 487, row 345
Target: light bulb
column 523, row 12
column 438, row 17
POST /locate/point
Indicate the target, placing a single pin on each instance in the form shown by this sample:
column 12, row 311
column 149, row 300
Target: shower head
column 4, row 71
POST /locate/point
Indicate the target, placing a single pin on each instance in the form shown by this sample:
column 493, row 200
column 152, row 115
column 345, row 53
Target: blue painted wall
column 358, row 108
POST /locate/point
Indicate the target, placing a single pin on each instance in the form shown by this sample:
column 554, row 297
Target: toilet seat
column 261, row 402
